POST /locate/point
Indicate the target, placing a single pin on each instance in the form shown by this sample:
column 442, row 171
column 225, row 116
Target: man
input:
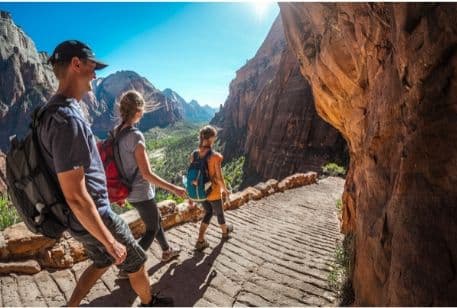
column 70, row 152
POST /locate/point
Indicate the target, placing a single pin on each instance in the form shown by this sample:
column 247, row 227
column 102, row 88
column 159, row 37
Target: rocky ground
column 280, row 254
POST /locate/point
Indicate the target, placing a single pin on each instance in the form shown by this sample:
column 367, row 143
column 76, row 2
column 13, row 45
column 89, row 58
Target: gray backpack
column 33, row 190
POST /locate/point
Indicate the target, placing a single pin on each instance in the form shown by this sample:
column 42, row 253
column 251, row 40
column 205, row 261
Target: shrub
column 233, row 173
column 8, row 213
column 333, row 169
column 339, row 205
column 339, row 278
column 119, row 210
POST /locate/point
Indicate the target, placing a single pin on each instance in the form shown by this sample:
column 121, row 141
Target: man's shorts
column 136, row 256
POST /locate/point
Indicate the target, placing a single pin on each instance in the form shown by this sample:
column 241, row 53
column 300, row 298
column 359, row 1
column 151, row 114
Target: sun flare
column 260, row 7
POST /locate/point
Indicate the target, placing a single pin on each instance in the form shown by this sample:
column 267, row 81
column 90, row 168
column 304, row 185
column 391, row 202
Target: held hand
column 180, row 192
column 191, row 204
column 117, row 251
column 121, row 203
column 225, row 192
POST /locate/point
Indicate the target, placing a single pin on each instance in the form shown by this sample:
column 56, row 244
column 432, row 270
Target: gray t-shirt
column 142, row 190
column 67, row 142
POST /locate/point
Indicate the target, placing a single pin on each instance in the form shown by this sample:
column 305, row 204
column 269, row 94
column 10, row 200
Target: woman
column 213, row 204
column 135, row 164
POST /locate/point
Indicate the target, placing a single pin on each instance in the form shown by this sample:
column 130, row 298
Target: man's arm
column 73, row 186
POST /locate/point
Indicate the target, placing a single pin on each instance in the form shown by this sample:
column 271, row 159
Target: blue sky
column 193, row 48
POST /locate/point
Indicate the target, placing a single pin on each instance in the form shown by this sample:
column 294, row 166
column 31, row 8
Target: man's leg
column 85, row 283
column 140, row 284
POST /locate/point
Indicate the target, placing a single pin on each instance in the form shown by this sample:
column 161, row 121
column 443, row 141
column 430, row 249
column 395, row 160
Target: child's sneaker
column 226, row 236
column 201, row 245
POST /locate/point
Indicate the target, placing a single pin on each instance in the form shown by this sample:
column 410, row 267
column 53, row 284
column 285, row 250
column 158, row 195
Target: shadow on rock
column 187, row 282
column 124, row 296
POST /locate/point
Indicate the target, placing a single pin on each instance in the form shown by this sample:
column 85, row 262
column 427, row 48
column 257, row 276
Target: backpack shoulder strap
column 208, row 155
column 195, row 155
column 117, row 136
column 123, row 132
column 38, row 113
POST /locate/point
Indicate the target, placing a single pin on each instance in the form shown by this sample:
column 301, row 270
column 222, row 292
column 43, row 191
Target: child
column 214, row 203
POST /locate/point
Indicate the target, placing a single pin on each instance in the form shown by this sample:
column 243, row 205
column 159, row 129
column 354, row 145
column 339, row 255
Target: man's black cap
column 66, row 50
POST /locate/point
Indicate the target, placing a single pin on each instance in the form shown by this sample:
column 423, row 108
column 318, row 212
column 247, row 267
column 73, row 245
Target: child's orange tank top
column 213, row 162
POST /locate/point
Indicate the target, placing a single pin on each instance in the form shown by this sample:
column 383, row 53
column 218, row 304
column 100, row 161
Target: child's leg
column 206, row 219
column 219, row 211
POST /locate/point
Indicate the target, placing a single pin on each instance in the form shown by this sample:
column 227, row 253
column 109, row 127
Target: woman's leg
column 160, row 235
column 149, row 215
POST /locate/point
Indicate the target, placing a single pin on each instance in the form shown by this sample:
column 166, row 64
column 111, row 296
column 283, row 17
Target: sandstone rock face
column 244, row 89
column 25, row 80
column 384, row 76
column 285, row 134
column 159, row 111
column 270, row 117
column 28, row 267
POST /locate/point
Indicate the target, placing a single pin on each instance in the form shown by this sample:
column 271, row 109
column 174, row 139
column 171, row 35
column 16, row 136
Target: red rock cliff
column 385, row 76
column 269, row 116
column 244, row 90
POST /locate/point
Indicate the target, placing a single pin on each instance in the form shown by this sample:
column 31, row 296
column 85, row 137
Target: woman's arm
column 141, row 157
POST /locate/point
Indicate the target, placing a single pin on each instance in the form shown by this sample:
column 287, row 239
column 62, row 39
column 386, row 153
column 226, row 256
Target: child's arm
column 220, row 178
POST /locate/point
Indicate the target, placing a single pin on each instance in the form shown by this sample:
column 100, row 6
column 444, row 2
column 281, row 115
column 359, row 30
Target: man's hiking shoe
column 226, row 236
column 158, row 301
column 171, row 253
column 201, row 245
column 122, row 275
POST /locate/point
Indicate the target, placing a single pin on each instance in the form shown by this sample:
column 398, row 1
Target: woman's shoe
column 171, row 253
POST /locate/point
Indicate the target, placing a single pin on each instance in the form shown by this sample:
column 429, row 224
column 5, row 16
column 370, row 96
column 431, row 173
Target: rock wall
column 244, row 90
column 385, row 76
column 285, row 134
column 25, row 80
column 269, row 117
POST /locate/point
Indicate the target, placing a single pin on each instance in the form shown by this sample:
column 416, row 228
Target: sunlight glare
column 260, row 7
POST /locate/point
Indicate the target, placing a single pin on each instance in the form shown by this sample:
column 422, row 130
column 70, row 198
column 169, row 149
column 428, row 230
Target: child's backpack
column 118, row 184
column 198, row 183
column 34, row 192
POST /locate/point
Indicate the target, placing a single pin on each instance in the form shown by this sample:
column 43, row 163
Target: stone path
column 280, row 255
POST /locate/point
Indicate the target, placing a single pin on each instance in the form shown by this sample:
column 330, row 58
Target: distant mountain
column 159, row 110
column 27, row 81
column 191, row 111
